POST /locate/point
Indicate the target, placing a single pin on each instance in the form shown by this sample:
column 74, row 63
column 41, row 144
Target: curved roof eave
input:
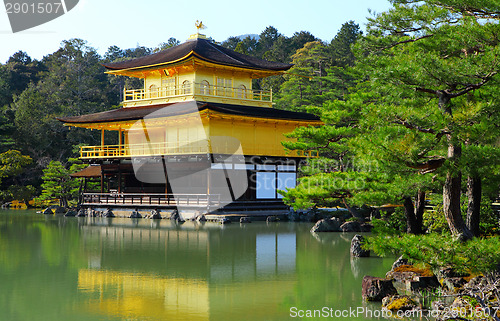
column 202, row 49
column 176, row 109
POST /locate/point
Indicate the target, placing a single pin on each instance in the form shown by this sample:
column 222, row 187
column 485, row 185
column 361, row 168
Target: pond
column 58, row 268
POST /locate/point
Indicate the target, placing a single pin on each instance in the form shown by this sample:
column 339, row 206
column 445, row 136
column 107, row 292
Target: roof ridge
column 222, row 52
column 203, row 48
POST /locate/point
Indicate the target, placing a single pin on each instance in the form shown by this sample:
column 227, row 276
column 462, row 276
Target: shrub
column 392, row 223
column 434, row 221
column 488, row 223
column 479, row 255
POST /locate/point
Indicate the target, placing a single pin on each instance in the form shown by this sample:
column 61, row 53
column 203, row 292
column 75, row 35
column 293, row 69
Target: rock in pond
column 224, row 220
column 400, row 261
column 155, row 215
column 356, row 247
column 59, row 210
column 398, row 302
column 48, row 211
column 454, row 284
column 365, row 227
column 174, row 216
column 71, row 213
column 245, row 219
column 270, row 219
column 135, row 214
column 327, row 225
column 375, row 289
column 351, row 226
column 108, row 213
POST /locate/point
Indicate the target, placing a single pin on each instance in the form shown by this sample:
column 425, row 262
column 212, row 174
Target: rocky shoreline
column 409, row 290
column 335, row 224
column 443, row 294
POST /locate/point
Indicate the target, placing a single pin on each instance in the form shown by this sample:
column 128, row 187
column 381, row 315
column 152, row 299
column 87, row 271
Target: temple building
column 196, row 136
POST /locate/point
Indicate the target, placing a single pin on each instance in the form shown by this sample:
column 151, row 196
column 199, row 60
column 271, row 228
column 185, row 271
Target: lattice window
column 241, row 92
column 186, row 87
column 205, row 88
column 153, row 91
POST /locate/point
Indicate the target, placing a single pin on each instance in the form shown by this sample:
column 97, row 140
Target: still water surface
column 57, row 268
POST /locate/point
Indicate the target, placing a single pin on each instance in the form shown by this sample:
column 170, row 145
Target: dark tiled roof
column 204, row 50
column 91, row 171
column 173, row 109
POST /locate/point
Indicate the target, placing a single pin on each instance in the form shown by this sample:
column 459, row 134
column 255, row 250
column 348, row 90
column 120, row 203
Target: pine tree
column 58, row 184
column 423, row 113
column 428, row 58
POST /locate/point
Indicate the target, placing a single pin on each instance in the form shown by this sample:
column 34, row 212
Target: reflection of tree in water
column 326, row 274
column 39, row 261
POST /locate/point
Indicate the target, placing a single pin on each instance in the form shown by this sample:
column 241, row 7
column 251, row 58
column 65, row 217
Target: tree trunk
column 451, row 197
column 63, row 202
column 414, row 213
column 452, row 185
column 352, row 210
column 419, row 210
column 411, row 220
column 474, row 204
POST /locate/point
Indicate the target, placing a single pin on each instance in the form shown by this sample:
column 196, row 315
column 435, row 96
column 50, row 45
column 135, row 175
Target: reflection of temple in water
column 192, row 272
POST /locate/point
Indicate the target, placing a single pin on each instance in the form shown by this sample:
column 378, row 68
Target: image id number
column 25, row 8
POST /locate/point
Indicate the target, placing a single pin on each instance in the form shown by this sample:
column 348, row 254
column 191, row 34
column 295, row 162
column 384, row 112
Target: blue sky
column 128, row 23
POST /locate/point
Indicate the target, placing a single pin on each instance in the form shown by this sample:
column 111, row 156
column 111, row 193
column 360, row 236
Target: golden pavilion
column 196, row 136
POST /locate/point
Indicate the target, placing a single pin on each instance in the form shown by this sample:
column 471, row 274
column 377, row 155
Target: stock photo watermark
column 27, row 14
column 415, row 314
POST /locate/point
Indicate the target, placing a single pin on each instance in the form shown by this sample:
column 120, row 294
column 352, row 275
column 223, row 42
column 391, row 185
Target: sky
column 128, row 23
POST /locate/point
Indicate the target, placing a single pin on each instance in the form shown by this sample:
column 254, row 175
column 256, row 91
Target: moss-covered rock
column 375, row 289
column 399, row 302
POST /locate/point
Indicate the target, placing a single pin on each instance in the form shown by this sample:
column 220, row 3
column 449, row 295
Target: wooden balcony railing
column 197, row 89
column 176, row 148
column 146, row 149
column 151, row 200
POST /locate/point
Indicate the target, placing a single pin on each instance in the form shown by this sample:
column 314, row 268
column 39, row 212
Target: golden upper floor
column 200, row 84
column 193, row 128
column 197, row 70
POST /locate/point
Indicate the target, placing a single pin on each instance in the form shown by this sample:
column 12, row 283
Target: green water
column 57, row 268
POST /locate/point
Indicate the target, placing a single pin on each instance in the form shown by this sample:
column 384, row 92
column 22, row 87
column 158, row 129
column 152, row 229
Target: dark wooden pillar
column 119, row 179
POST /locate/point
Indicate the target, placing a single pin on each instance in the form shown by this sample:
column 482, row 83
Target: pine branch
column 409, row 125
column 428, row 167
column 475, row 12
column 471, row 87
column 427, row 90
column 404, row 41
column 464, row 90
column 331, row 140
